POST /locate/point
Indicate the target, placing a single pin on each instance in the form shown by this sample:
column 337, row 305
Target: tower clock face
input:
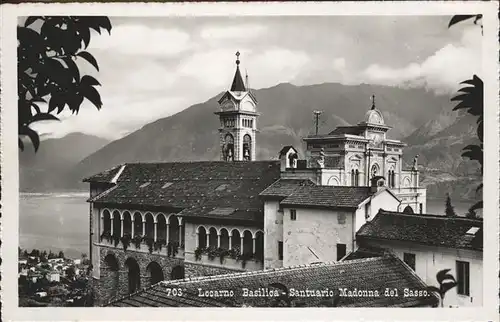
column 376, row 139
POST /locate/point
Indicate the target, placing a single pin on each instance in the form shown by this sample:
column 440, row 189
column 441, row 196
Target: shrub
column 125, row 241
column 137, row 241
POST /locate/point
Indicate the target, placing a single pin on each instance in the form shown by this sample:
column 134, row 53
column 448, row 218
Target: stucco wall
column 273, row 233
column 315, row 231
column 430, row 260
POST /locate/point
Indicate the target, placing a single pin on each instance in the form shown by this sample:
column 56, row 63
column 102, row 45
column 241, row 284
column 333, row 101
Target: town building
column 155, row 222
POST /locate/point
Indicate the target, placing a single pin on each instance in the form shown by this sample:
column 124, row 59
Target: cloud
column 339, row 63
column 442, row 71
column 224, row 32
column 131, row 39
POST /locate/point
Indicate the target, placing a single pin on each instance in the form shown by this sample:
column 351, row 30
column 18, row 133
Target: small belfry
column 238, row 120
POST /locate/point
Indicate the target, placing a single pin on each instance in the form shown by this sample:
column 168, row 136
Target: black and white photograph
column 254, row 161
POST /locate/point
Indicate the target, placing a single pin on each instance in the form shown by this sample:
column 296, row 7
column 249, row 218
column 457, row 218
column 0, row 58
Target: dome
column 374, row 116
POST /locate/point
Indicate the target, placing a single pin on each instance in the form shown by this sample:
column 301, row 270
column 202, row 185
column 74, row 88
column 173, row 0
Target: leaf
column 44, row 117
column 445, row 287
column 88, row 57
column 477, row 205
column 35, row 139
column 21, row 144
column 92, row 95
column 36, row 107
column 31, row 20
column 73, row 68
column 480, row 187
column 88, row 80
column 54, row 103
column 456, row 19
column 85, row 34
column 442, row 275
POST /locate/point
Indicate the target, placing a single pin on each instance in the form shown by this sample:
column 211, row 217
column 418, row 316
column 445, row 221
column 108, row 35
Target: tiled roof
column 364, row 252
column 285, row 149
column 375, row 274
column 105, row 176
column 328, row 196
column 196, row 188
column 424, row 229
column 353, row 130
column 238, row 84
column 285, row 187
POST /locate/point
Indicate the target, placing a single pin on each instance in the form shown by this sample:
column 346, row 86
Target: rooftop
column 328, row 196
column 284, row 187
column 375, row 274
column 424, row 229
column 195, row 188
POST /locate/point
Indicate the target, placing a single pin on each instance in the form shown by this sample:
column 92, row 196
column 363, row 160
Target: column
column 197, row 239
column 218, row 240
column 208, row 238
column 112, row 223
column 133, row 228
column 155, row 230
column 101, row 227
column 121, row 227
column 230, row 241
column 253, row 245
column 180, row 234
column 241, row 244
column 166, row 235
column 143, row 228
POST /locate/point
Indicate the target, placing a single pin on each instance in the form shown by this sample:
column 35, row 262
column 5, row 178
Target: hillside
column 420, row 118
column 46, row 169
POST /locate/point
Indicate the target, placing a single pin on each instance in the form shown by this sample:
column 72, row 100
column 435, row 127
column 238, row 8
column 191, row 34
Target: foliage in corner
column 471, row 98
column 49, row 79
column 449, row 209
column 125, row 241
column 446, row 282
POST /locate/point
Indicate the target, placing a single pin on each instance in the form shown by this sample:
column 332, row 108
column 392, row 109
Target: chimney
column 377, row 184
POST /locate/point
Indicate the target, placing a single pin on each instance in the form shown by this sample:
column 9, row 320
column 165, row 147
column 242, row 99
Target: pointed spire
column 373, row 102
column 238, row 85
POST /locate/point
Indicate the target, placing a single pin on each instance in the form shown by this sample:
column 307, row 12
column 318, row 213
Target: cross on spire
column 237, row 58
column 373, row 101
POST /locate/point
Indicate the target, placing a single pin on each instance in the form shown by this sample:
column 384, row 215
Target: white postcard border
column 10, row 179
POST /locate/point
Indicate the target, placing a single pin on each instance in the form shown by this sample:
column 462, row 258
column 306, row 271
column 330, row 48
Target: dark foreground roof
column 285, row 187
column 352, row 130
column 328, row 196
column 362, row 274
column 225, row 190
column 424, row 229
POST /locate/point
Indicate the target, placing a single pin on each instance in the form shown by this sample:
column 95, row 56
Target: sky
column 153, row 67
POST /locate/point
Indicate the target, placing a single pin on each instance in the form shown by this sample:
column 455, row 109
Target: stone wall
column 196, row 270
column 113, row 281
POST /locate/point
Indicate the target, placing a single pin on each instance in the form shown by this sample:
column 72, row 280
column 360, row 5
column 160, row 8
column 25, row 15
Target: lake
column 60, row 221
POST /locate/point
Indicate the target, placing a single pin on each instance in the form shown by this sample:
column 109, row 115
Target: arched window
column 247, row 147
column 247, row 243
column 202, row 237
column 109, row 274
column 117, row 224
column 224, row 238
column 356, row 177
column 177, row 273
column 408, row 210
column 137, row 224
column 236, row 239
column 106, row 222
column 228, row 149
column 134, row 277
column 353, row 180
column 393, row 179
column 173, row 229
column 374, row 171
column 212, row 239
column 259, row 246
column 127, row 224
column 161, row 228
column 150, row 226
column 155, row 273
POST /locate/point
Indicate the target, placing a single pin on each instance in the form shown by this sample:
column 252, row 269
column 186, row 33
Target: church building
column 168, row 221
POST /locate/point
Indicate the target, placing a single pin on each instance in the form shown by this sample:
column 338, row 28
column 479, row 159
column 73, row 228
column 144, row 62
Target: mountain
column 426, row 120
column 46, row 169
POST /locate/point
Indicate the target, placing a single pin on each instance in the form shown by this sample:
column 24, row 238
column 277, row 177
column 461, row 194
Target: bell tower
column 238, row 120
